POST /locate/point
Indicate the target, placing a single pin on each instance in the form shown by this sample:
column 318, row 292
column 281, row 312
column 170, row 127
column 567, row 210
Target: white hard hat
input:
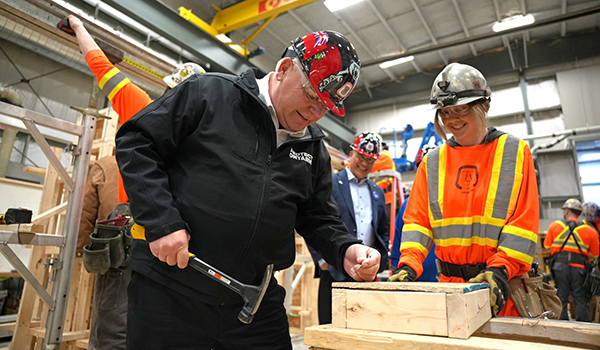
column 574, row 204
column 458, row 84
column 181, row 73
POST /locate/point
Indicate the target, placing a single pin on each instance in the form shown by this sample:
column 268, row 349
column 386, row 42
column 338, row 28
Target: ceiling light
column 513, row 22
column 224, row 38
column 388, row 64
column 336, row 5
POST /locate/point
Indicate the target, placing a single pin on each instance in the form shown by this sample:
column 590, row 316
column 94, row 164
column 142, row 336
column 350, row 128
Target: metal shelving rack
column 62, row 266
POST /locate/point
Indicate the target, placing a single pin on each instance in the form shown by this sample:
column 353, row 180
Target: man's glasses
column 367, row 159
column 308, row 89
column 460, row 111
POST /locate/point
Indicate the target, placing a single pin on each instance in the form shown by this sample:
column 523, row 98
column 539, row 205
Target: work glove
column 406, row 274
column 497, row 278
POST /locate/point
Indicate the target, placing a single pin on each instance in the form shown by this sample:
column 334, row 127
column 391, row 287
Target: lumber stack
column 445, row 316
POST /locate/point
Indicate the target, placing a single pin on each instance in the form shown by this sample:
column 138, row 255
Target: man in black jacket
column 227, row 167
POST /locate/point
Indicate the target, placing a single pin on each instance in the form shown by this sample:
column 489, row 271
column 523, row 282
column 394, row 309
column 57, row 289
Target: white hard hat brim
column 461, row 101
column 169, row 81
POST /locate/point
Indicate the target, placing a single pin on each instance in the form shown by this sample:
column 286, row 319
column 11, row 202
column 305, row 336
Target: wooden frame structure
column 54, row 272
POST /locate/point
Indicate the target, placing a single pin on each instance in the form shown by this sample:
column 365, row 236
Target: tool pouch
column 535, row 299
column 96, row 260
column 106, row 242
column 592, row 280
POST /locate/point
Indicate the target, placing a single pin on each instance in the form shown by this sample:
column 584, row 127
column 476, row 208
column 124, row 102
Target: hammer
column 252, row 295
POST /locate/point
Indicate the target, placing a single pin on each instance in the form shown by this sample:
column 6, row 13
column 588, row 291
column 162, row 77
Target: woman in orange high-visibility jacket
column 476, row 197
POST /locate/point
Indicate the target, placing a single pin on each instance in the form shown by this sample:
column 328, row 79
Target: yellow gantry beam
column 241, row 15
column 251, row 11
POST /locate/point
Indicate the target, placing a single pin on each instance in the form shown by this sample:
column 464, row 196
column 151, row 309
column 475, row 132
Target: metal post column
column 528, row 120
column 62, row 273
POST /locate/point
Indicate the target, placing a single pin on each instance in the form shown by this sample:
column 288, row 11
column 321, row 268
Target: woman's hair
column 480, row 108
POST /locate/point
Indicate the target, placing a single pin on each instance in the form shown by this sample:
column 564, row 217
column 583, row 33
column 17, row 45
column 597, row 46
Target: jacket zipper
column 261, row 208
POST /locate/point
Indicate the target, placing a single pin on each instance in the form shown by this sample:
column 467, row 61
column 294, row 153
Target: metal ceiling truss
column 541, row 53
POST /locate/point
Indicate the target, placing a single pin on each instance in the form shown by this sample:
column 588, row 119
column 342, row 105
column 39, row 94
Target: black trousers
column 570, row 280
column 160, row 318
column 109, row 311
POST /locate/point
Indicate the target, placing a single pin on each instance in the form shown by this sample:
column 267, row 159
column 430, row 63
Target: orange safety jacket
column 479, row 204
column 127, row 98
column 586, row 237
column 385, row 162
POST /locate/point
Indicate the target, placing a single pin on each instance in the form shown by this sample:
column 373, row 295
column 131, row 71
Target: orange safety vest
column 385, row 162
column 479, row 204
column 127, row 98
column 583, row 235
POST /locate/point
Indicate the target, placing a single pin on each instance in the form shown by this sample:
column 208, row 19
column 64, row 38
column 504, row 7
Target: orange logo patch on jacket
column 467, row 178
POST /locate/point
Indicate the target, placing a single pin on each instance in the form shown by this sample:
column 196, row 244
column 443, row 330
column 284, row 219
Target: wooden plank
column 21, row 183
column 40, row 332
column 331, row 338
column 467, row 312
column 23, row 228
column 10, row 274
column 413, row 312
column 578, row 333
column 82, row 343
column 338, row 307
column 34, row 170
column 84, row 298
column 8, row 327
column 413, row 286
column 59, row 209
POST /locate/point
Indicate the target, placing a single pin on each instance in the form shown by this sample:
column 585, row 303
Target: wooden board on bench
column 454, row 310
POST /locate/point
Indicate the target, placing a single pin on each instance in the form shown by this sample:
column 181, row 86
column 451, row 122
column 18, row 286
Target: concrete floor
column 298, row 342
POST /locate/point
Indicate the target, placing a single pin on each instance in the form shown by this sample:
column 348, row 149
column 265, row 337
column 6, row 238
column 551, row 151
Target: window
column 588, row 156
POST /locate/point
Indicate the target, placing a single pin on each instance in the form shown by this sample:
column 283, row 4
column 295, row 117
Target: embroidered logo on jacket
column 301, row 156
column 467, row 178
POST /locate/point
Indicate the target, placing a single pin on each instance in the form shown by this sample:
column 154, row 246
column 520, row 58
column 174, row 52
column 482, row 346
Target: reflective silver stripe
column 467, row 231
column 517, row 243
column 115, row 80
column 507, row 177
column 417, row 237
column 433, row 168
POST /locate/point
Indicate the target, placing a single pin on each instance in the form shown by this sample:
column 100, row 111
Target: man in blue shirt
column 362, row 208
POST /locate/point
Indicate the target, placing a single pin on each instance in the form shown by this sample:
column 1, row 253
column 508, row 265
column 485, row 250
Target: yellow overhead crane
column 241, row 15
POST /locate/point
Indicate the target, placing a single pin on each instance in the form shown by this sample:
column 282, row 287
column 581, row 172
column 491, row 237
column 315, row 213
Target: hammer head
column 253, row 296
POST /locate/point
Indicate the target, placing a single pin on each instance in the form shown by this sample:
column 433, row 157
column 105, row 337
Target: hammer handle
column 215, row 274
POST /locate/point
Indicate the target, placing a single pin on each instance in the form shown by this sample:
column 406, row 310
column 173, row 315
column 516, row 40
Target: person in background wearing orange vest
column 104, row 187
column 430, row 273
column 385, row 162
column 475, row 196
column 572, row 244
